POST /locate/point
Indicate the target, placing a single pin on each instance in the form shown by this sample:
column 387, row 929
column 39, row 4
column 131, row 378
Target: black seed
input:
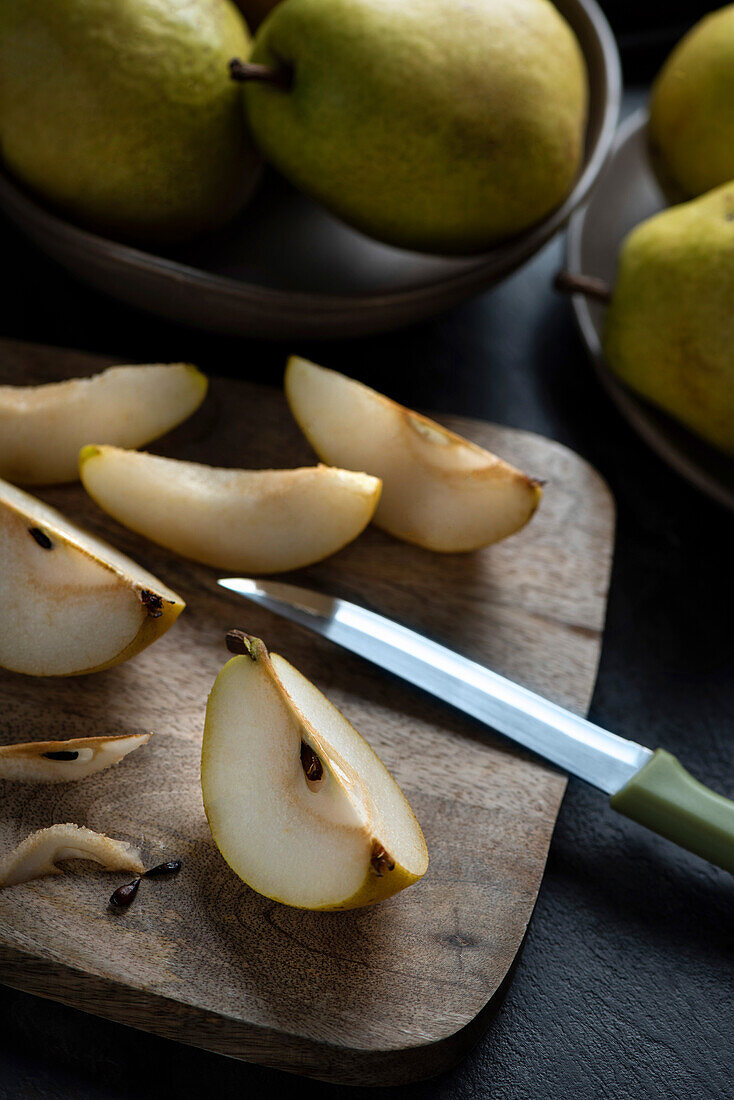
column 125, row 895
column 172, row 867
column 41, row 538
column 153, row 603
column 310, row 762
column 64, row 754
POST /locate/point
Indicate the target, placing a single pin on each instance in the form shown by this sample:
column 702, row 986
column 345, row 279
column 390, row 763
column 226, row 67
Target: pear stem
column 243, row 71
column 590, row 287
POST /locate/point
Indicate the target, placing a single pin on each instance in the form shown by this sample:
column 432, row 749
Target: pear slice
column 70, row 603
column 256, row 521
column 38, row 854
column 299, row 805
column 63, row 761
column 43, row 427
column 439, row 491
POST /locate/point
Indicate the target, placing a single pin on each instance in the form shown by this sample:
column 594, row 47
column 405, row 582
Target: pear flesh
column 38, row 855
column 298, row 803
column 43, row 427
column 70, row 603
column 439, row 490
column 427, row 124
column 65, row 761
column 669, row 329
column 122, row 115
column 260, row 521
column 692, row 110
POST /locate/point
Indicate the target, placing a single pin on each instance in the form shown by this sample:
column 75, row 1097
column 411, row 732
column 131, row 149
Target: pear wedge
column 299, row 805
column 70, row 603
column 39, row 853
column 256, row 521
column 43, row 427
column 65, row 761
column 440, row 491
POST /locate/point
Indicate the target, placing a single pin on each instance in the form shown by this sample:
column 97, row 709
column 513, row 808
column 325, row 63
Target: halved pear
column 64, row 761
column 43, row 427
column 298, row 803
column 439, row 490
column 256, row 521
column 70, row 603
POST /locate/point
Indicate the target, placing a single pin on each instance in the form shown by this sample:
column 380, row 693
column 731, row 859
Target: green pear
column 429, row 124
column 692, row 109
column 669, row 331
column 122, row 115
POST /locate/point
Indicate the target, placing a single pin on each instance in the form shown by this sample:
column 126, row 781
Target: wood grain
column 381, row 995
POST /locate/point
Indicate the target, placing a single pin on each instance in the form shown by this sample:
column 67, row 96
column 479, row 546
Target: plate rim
column 631, row 407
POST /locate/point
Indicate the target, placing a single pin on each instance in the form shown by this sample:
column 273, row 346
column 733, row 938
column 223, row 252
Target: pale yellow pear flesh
column 340, row 841
column 39, row 854
column 439, row 490
column 69, row 602
column 43, row 427
column 66, row 761
column 258, row 521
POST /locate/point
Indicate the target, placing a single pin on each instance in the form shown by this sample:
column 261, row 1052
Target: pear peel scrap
column 37, row 855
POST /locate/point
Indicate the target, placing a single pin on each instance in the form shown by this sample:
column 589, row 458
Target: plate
column 285, row 269
column 626, row 194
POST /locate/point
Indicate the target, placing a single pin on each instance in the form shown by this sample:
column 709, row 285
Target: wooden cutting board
column 381, row 995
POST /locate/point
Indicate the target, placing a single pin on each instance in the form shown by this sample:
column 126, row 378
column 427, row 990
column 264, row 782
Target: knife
column 650, row 787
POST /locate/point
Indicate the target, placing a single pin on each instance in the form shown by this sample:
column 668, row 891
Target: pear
column 121, row 114
column 64, row 761
column 70, row 603
column 429, row 124
column 439, row 491
column 38, row 854
column 299, row 805
column 43, row 427
column 669, row 331
column 692, row 109
column 257, row 521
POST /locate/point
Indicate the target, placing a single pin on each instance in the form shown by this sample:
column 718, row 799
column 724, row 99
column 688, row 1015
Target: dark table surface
column 625, row 988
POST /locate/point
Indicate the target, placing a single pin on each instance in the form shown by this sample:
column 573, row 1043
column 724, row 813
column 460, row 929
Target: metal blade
column 574, row 744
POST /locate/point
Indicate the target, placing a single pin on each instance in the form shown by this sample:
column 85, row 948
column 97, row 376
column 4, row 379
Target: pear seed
column 62, row 754
column 41, row 538
column 125, row 895
column 312, row 766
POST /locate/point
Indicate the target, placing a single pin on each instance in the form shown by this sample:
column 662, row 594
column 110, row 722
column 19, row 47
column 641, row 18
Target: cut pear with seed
column 298, row 803
column 65, row 761
column 256, row 521
column 40, row 852
column 70, row 603
column 43, row 427
column 439, row 491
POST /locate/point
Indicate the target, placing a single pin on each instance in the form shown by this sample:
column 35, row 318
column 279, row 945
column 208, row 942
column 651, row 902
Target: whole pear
column 435, row 125
column 669, row 331
column 692, row 109
column 121, row 113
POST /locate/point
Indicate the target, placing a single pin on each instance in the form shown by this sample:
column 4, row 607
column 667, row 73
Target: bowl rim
column 481, row 269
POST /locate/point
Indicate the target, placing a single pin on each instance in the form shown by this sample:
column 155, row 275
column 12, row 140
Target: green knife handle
column 667, row 799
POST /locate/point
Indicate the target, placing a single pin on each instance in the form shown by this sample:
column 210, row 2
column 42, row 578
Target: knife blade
column 649, row 786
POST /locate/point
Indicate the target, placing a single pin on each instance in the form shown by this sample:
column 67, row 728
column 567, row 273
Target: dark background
column 625, row 987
